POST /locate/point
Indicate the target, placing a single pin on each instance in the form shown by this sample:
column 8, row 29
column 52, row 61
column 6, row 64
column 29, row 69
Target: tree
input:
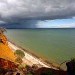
column 71, row 67
column 19, row 60
column 20, row 53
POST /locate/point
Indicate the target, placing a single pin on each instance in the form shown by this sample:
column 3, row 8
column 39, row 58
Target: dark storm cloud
column 18, row 11
column 20, row 24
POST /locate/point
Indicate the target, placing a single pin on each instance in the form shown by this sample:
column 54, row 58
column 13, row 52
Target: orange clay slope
column 5, row 51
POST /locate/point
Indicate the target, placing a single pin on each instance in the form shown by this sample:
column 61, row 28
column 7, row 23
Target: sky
column 37, row 13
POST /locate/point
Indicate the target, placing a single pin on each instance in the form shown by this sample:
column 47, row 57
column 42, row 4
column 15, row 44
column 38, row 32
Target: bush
column 73, row 60
column 19, row 60
column 47, row 73
column 20, row 53
column 71, row 67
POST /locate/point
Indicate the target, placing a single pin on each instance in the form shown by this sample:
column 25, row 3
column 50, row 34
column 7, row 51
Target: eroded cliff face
column 6, row 64
column 5, row 51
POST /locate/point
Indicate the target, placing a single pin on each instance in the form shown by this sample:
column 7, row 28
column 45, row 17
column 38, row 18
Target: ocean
column 54, row 45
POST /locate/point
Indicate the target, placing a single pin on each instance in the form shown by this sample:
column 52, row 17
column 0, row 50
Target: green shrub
column 21, row 66
column 73, row 60
column 20, row 53
column 19, row 60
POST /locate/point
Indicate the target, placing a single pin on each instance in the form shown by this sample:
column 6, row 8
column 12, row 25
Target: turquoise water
column 56, row 45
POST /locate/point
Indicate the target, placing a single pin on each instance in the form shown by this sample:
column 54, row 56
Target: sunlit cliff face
column 5, row 51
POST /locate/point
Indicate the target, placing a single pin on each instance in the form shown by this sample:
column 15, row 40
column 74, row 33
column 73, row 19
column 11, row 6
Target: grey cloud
column 14, row 11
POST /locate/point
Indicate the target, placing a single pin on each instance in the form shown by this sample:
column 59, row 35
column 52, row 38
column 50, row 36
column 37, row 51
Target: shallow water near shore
column 56, row 45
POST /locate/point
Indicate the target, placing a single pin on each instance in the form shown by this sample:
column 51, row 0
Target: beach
column 54, row 45
column 29, row 58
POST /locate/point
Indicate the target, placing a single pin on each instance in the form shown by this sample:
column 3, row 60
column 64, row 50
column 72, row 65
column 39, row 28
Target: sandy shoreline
column 31, row 58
